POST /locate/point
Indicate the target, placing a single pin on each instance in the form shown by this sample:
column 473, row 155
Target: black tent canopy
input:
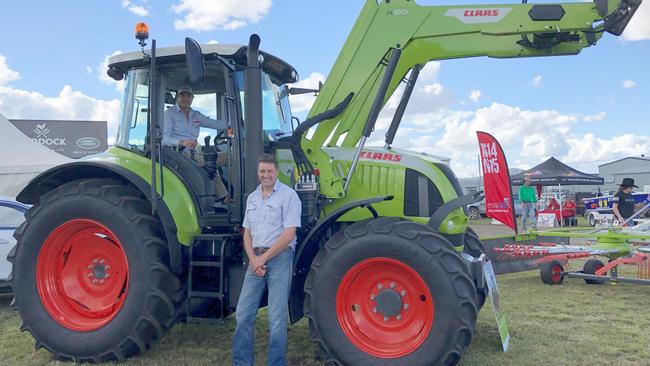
column 553, row 172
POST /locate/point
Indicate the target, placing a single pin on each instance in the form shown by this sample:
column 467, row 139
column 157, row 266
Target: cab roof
column 279, row 70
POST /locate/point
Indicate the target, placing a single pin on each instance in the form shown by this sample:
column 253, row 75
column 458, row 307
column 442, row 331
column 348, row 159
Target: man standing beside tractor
column 272, row 215
column 528, row 198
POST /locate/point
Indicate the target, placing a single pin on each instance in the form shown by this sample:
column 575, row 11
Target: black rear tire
column 590, row 267
column 550, row 272
column 429, row 254
column 154, row 292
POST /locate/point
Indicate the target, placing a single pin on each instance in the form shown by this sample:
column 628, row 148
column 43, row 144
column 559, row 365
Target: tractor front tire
column 590, row 267
column 390, row 292
column 551, row 272
column 91, row 273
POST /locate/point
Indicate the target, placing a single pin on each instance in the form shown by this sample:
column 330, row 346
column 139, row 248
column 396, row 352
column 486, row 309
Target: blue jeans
column 278, row 281
column 528, row 213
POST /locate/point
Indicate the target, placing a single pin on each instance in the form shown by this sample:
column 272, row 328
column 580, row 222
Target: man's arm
column 168, row 130
column 256, row 264
column 207, row 122
column 281, row 244
column 248, row 244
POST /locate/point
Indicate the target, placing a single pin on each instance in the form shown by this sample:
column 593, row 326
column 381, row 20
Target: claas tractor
column 119, row 247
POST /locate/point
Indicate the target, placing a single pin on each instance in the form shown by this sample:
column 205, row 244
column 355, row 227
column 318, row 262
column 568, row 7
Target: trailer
column 599, row 209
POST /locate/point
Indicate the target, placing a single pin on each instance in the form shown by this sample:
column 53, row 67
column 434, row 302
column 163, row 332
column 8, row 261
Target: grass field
column 571, row 324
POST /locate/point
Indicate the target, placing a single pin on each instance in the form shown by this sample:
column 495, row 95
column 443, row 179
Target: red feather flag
column 496, row 180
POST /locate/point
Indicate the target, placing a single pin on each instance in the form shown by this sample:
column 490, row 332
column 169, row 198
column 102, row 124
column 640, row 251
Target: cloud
column 475, row 96
column 303, row 102
column 527, row 136
column 7, row 75
column 537, row 81
column 89, row 70
column 67, row 105
column 589, row 150
column 212, row 41
column 595, row 117
column 629, row 84
column 104, row 78
column 207, row 15
column 639, row 27
column 138, row 10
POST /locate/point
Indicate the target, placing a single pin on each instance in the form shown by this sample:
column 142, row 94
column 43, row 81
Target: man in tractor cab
column 272, row 215
column 181, row 130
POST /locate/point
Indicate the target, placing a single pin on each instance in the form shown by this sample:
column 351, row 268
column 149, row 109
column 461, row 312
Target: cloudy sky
column 584, row 110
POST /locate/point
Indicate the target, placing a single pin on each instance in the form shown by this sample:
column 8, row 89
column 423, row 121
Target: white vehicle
column 598, row 208
column 12, row 214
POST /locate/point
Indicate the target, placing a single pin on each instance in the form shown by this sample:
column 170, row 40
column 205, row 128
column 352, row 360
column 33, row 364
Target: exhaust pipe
column 252, row 114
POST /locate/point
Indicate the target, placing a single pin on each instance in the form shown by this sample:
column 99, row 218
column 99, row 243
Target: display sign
column 546, row 220
column 502, row 323
column 74, row 139
column 496, row 180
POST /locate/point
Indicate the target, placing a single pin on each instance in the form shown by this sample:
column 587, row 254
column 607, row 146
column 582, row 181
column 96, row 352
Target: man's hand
column 258, row 265
column 190, row 144
column 261, row 271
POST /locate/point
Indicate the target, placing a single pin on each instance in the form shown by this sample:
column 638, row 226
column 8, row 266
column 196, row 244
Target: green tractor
column 119, row 247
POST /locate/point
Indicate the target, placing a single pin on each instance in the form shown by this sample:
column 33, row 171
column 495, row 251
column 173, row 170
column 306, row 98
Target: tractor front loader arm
column 426, row 33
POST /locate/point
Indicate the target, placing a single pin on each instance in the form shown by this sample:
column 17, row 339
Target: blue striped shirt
column 179, row 127
column 268, row 218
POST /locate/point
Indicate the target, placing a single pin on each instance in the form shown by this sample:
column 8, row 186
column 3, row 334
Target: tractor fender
column 59, row 175
column 309, row 246
column 438, row 217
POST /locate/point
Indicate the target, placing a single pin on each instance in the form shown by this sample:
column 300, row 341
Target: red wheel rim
column 370, row 314
column 556, row 273
column 82, row 275
column 598, row 267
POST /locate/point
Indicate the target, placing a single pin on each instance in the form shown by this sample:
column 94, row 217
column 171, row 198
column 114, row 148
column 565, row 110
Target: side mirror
column 169, row 98
column 194, row 60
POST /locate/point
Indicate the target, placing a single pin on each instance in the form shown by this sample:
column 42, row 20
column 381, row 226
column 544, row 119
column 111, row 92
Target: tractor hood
column 404, row 157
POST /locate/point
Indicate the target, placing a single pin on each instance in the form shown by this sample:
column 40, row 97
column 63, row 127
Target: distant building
column 637, row 168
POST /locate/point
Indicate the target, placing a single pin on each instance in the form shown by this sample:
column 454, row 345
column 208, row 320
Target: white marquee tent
column 21, row 159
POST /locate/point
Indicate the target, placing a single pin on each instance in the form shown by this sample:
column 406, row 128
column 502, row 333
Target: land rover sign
column 74, row 139
column 88, row 143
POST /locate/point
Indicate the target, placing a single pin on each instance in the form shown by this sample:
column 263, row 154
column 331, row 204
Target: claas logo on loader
column 369, row 155
column 481, row 13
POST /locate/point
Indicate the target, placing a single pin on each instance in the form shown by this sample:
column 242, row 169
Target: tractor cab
column 218, row 95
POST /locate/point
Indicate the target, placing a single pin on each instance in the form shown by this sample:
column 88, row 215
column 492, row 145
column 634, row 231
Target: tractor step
column 191, row 319
column 205, row 294
column 207, row 278
column 206, row 264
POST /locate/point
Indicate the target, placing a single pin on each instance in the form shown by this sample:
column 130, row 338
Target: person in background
column 623, row 206
column 528, row 198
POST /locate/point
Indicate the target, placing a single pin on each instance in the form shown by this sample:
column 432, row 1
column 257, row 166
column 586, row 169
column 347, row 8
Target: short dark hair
column 267, row 158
